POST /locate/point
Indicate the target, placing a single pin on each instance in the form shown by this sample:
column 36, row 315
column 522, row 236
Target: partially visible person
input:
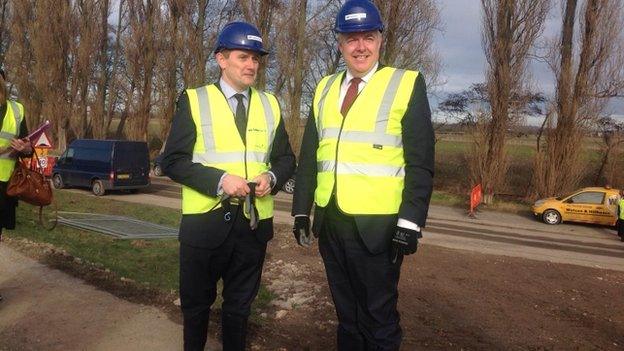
column 13, row 143
column 620, row 222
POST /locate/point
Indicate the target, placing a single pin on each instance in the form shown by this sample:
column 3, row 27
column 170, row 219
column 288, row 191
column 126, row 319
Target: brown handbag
column 29, row 186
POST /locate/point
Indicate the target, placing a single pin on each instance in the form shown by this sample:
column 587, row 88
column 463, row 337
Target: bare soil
column 449, row 299
column 453, row 299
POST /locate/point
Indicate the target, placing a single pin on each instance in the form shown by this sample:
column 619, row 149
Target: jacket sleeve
column 23, row 133
column 305, row 181
column 419, row 153
column 177, row 161
column 282, row 158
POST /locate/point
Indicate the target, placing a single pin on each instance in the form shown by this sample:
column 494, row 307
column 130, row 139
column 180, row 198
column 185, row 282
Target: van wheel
column 289, row 186
column 97, row 187
column 158, row 171
column 57, row 181
column 551, row 217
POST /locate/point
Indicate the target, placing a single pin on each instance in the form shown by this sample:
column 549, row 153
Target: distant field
column 451, row 168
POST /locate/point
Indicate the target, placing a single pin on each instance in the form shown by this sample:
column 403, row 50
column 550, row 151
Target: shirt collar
column 229, row 91
column 366, row 77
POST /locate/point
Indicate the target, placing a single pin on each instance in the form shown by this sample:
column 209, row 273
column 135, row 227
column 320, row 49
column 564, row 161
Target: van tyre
column 97, row 187
column 289, row 186
column 57, row 181
column 551, row 217
column 158, row 171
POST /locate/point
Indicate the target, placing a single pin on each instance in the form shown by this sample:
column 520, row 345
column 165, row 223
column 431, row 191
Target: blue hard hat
column 242, row 36
column 358, row 16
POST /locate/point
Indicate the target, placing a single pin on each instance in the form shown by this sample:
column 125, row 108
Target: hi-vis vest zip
column 218, row 143
column 10, row 130
column 363, row 152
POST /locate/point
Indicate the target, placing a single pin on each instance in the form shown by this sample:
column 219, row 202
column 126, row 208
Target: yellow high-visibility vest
column 362, row 153
column 621, row 204
column 218, row 143
column 10, row 130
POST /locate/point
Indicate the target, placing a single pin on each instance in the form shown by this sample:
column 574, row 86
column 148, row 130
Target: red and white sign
column 475, row 198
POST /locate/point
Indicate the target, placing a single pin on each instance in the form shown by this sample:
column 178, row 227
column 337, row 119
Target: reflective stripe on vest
column 8, row 131
column 363, row 152
column 218, row 143
column 211, row 156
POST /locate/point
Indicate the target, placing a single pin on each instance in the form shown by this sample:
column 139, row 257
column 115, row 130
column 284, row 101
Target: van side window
column 69, row 155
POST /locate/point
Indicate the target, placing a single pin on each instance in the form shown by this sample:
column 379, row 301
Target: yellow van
column 587, row 205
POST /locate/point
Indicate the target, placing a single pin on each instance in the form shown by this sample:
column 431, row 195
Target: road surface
column 491, row 232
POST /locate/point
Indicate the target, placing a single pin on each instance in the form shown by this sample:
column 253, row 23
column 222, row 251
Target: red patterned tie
column 350, row 96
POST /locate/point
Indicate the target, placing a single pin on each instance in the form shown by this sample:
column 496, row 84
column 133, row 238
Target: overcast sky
column 460, row 48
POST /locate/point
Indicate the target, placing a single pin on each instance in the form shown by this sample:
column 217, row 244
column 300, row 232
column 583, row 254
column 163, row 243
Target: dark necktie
column 350, row 96
column 240, row 118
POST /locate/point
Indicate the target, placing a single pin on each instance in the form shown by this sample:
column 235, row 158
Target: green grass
column 147, row 262
column 442, row 198
column 461, row 147
column 447, row 199
column 153, row 262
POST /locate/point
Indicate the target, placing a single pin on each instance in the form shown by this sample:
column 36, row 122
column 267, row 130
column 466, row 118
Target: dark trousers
column 238, row 261
column 363, row 286
column 620, row 228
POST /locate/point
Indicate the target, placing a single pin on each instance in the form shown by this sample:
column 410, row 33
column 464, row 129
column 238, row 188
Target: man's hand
column 235, row 186
column 21, row 145
column 263, row 184
column 301, row 229
column 404, row 242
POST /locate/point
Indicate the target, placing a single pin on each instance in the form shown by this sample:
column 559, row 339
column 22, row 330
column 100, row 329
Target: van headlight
column 539, row 203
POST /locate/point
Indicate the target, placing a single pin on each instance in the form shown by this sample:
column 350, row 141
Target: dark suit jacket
column 418, row 147
column 209, row 229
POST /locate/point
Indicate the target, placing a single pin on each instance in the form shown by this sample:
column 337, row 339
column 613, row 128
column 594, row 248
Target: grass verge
column 442, row 198
column 137, row 264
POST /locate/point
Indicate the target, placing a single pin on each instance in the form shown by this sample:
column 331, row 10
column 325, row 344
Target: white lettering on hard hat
column 254, row 37
column 356, row 16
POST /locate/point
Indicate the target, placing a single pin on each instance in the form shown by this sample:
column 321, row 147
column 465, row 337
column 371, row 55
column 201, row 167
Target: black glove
column 404, row 242
column 301, row 230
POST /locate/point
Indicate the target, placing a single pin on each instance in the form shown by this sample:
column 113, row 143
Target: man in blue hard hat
column 229, row 149
column 366, row 163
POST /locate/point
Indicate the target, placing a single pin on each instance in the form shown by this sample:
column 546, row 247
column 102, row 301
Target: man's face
column 360, row 51
column 238, row 67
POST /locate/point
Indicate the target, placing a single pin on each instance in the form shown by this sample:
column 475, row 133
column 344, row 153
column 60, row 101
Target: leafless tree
column 102, row 76
column 84, row 64
column 39, row 60
column 85, row 30
column 587, row 73
column 612, row 135
column 19, row 59
column 408, row 36
column 4, row 30
column 510, row 28
column 140, row 57
column 168, row 64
